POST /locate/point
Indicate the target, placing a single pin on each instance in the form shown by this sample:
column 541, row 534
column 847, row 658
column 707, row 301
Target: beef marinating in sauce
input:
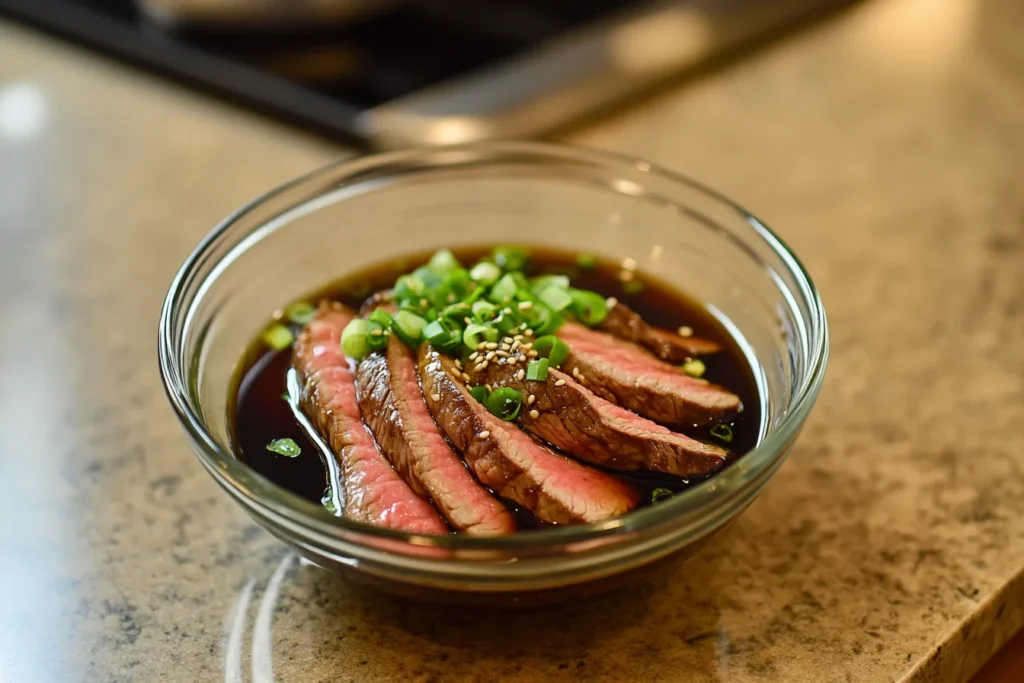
column 645, row 398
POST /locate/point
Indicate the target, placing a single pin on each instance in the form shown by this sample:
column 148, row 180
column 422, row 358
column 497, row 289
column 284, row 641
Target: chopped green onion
column 443, row 261
column 479, row 393
column 409, row 327
column 353, row 339
column 586, row 261
column 658, row 495
column 510, row 258
column 477, row 292
column 542, row 282
column 537, row 370
column 376, row 335
column 633, row 286
column 301, row 312
column 409, row 287
column 483, row 311
column 438, row 334
column 503, row 290
column 327, row 500
column 428, row 276
column 506, row 322
column 694, row 367
column 285, row 447
column 381, row 317
column 455, row 314
column 486, row 273
column 504, row 403
column 475, row 334
column 590, row 307
column 456, row 282
column 556, row 298
column 723, row 432
column 543, row 320
column 552, row 348
column 278, row 337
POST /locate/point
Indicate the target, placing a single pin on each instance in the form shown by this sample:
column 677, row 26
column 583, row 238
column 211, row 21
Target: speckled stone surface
column 885, row 145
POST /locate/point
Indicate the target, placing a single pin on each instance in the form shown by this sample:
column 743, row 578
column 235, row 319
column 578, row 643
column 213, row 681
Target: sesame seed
column 488, row 388
column 530, row 400
column 503, row 354
column 512, row 361
column 376, row 333
column 575, row 371
column 527, row 346
column 484, row 434
column 534, row 414
column 481, row 346
column 560, row 383
column 523, row 326
column 505, row 347
column 611, row 302
column 472, row 356
column 581, row 378
column 489, row 356
column 525, row 305
column 685, row 331
column 436, row 397
column 628, row 264
column 529, row 331
column 465, row 377
column 424, row 303
column 532, row 354
column 451, row 298
column 521, row 375
column 480, row 366
column 508, row 310
column 491, row 345
column 515, row 345
column 458, row 363
column 468, row 320
column 518, row 337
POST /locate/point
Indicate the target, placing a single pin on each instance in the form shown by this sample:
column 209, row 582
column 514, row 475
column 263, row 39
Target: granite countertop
column 884, row 144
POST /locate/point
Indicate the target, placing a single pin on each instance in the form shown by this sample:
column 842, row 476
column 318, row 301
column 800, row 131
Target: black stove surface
column 326, row 76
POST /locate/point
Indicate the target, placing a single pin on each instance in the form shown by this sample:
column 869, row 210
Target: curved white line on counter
column 262, row 641
column 236, row 634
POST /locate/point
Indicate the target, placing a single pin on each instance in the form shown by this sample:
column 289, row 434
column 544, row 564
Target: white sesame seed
column 518, row 337
column 525, row 305
column 611, row 302
column 468, row 320
column 534, row 414
column 629, row 264
column 507, row 310
column 529, row 332
column 458, row 363
column 530, row 400
column 523, row 326
column 484, row 434
column 465, row 377
column 685, row 331
column 527, row 346
column 491, row 345
column 376, row 333
column 575, row 371
column 503, row 354
column 436, row 397
column 472, row 356
column 532, row 354
column 515, row 345
column 488, row 388
column 482, row 365
column 505, row 347
column 512, row 361
column 489, row 356
column 424, row 303
column 521, row 375
column 581, row 378
column 560, row 383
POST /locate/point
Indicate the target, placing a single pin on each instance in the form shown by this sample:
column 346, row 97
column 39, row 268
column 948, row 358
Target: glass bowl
column 307, row 233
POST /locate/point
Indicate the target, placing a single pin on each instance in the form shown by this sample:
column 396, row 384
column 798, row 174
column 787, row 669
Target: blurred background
column 398, row 72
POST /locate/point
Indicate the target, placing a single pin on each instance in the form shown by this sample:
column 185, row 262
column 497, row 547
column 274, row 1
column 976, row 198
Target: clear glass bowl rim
column 703, row 497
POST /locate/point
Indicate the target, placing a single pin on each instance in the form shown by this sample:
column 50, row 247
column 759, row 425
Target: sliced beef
column 624, row 323
column 573, row 418
column 394, row 410
column 373, row 491
column 623, row 373
column 511, row 462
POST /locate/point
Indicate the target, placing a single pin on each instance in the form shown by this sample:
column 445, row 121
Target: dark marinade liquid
column 259, row 414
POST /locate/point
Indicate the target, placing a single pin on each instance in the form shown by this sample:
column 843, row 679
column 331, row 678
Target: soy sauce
column 260, row 414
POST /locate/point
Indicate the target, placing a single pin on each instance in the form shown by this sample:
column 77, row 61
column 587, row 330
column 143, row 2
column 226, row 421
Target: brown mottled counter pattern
column 886, row 145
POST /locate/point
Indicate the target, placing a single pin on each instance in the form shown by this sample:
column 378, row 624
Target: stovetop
column 429, row 72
